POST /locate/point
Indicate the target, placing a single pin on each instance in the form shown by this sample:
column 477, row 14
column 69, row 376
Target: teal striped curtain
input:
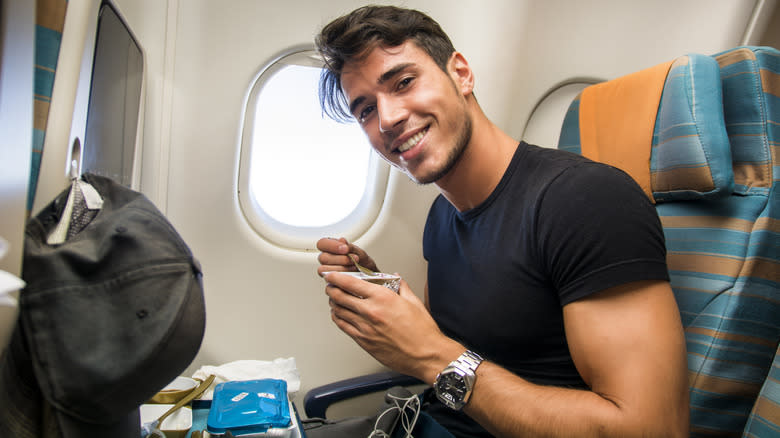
column 49, row 20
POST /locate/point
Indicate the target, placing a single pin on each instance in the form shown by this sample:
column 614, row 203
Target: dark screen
column 114, row 100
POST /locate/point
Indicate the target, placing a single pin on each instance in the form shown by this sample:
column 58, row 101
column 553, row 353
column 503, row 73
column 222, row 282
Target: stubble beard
column 461, row 142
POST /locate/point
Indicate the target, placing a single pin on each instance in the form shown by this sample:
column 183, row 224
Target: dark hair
column 352, row 36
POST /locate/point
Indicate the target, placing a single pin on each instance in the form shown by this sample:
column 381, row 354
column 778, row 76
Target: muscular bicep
column 627, row 343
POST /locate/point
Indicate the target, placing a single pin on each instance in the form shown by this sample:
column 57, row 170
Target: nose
column 391, row 113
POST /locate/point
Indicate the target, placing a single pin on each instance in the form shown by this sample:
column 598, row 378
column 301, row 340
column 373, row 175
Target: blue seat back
column 714, row 171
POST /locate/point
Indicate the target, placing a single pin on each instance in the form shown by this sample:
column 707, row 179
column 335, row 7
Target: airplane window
column 302, row 175
column 296, row 150
column 544, row 125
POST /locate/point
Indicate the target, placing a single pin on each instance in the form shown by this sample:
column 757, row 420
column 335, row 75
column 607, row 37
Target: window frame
column 301, row 238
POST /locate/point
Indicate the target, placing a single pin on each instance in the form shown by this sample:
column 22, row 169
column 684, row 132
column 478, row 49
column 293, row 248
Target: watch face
column 451, row 389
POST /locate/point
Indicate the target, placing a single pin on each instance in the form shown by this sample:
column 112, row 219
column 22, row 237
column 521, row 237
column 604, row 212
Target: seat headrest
column 751, row 98
column 689, row 154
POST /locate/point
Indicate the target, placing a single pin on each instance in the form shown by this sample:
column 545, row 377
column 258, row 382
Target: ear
column 461, row 73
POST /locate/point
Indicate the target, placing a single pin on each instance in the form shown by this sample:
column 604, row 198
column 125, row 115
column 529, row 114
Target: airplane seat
column 719, row 206
column 763, row 419
column 751, row 96
column 709, row 149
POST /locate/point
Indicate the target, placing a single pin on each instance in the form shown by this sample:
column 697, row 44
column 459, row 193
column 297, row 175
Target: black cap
column 106, row 320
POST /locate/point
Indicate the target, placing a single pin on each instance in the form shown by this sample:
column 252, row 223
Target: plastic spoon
column 361, row 268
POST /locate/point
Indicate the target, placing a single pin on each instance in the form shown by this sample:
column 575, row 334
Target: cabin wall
column 603, row 39
column 17, row 30
column 265, row 302
column 766, row 31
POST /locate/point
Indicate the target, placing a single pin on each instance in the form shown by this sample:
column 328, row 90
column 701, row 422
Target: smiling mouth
column 412, row 142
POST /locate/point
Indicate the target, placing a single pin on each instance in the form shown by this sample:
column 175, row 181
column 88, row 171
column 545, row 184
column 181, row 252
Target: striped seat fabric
column 49, row 22
column 690, row 156
column 763, row 421
column 714, row 172
column 751, row 99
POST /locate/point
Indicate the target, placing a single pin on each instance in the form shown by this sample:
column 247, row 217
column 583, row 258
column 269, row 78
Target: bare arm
column 626, row 342
column 628, row 345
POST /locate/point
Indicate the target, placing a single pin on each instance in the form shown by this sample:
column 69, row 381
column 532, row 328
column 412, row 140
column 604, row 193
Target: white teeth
column 408, row 144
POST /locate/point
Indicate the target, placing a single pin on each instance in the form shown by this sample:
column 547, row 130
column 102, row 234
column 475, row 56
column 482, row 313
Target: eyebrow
column 389, row 74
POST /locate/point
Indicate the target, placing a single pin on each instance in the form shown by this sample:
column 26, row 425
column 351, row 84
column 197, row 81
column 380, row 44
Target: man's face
column 414, row 114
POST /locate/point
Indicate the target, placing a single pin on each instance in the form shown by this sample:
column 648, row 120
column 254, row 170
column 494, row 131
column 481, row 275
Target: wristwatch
column 454, row 384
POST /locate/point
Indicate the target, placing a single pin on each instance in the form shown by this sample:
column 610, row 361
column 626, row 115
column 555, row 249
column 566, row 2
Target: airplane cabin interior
column 208, row 110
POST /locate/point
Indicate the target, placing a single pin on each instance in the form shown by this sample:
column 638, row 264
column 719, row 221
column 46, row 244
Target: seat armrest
column 317, row 400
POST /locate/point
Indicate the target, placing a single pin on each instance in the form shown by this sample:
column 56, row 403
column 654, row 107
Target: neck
column 481, row 167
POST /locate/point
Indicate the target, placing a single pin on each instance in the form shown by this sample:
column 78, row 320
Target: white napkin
column 284, row 369
column 8, row 282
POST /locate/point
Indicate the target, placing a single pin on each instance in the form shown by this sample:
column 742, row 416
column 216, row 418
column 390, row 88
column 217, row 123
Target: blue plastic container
column 249, row 407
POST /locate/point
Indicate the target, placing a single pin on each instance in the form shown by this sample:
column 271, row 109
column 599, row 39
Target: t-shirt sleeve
column 596, row 229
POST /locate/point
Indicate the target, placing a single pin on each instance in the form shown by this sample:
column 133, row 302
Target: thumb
column 404, row 290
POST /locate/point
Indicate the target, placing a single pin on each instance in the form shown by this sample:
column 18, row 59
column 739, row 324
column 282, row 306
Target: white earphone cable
column 407, row 420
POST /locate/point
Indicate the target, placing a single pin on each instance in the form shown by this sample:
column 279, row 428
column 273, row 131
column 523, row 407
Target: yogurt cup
column 390, row 281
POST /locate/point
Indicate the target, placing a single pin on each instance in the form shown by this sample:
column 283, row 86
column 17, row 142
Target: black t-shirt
column 558, row 227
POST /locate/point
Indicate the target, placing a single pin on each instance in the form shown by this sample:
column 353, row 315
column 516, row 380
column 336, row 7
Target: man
column 548, row 308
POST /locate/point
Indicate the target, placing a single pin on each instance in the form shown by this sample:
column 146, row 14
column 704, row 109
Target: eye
column 403, row 83
column 365, row 113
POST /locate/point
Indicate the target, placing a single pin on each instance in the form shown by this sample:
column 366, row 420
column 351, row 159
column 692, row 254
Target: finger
column 333, row 246
column 334, row 255
column 339, row 314
column 353, row 286
column 350, row 328
column 403, row 289
column 330, row 262
column 363, row 257
column 407, row 293
column 327, row 258
column 324, row 269
column 343, row 312
column 353, row 324
column 340, row 246
column 343, row 297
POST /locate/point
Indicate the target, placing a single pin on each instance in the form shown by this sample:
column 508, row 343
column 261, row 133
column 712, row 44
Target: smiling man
column 417, row 109
column 548, row 309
